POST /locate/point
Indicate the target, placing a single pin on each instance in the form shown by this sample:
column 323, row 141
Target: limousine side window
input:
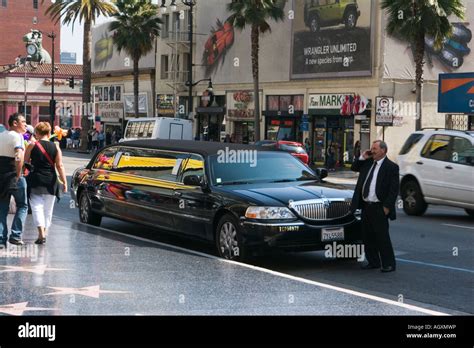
column 194, row 165
column 105, row 160
column 151, row 164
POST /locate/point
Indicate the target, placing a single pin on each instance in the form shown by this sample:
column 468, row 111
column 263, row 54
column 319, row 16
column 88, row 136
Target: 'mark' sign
column 456, row 93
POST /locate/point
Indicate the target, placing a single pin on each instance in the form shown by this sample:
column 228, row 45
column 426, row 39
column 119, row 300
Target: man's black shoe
column 387, row 269
column 369, row 266
column 16, row 242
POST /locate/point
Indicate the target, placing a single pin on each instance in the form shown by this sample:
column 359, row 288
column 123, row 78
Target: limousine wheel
column 229, row 239
column 86, row 214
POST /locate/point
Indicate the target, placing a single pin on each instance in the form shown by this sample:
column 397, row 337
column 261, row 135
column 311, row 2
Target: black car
column 242, row 198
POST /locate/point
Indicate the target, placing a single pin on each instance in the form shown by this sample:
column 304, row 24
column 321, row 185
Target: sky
column 71, row 40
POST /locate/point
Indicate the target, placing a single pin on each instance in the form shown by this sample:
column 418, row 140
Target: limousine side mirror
column 193, row 180
column 322, row 173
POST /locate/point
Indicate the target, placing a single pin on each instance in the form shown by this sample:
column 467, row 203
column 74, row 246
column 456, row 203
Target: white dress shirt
column 373, row 185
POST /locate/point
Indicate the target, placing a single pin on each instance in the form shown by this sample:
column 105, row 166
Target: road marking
column 459, row 226
column 278, row 274
column 436, row 265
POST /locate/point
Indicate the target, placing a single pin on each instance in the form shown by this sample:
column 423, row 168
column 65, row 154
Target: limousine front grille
column 322, row 209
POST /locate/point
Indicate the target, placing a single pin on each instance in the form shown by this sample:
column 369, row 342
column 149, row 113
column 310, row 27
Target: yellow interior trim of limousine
column 145, row 162
column 136, row 180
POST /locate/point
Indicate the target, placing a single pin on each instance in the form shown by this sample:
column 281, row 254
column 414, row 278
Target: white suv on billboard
column 437, row 167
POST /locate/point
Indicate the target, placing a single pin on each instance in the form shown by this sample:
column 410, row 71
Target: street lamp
column 189, row 83
column 24, row 61
column 52, row 103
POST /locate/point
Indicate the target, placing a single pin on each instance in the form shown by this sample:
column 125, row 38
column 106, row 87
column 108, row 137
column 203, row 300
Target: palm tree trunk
column 86, row 84
column 255, row 71
column 136, row 74
column 419, row 62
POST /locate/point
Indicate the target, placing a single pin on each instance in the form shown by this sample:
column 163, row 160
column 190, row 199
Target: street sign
column 456, row 93
column 384, row 112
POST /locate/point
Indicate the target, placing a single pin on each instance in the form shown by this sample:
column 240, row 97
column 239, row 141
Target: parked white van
column 159, row 128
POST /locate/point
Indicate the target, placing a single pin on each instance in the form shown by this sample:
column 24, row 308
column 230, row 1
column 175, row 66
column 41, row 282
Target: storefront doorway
column 244, row 132
column 333, row 141
column 283, row 129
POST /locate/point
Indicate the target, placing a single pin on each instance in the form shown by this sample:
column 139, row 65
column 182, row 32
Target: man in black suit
column 376, row 194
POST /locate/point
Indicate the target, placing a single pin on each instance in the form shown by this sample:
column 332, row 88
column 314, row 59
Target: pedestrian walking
column 376, row 194
column 12, row 182
column 46, row 158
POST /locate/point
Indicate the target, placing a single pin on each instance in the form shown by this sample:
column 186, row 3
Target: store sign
column 165, row 104
column 130, row 104
column 110, row 112
column 327, row 101
column 240, row 105
column 384, row 112
column 456, row 93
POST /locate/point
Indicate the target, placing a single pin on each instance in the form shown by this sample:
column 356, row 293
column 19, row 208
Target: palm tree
column 255, row 14
column 83, row 11
column 412, row 21
column 136, row 27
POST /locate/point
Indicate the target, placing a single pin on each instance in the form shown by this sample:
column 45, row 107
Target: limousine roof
column 203, row 148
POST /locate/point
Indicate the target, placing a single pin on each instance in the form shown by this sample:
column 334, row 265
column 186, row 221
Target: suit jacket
column 388, row 184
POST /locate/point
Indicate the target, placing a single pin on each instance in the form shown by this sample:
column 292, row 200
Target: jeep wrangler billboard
column 332, row 38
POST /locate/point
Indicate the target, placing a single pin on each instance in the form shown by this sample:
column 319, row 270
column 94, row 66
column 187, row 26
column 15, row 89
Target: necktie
column 369, row 181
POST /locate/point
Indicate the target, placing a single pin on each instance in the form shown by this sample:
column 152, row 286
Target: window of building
column 283, row 102
column 165, row 28
column 164, row 67
column 4, row 3
column 35, row 4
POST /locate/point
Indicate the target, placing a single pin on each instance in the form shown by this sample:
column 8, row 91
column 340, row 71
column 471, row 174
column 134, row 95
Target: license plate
column 333, row 234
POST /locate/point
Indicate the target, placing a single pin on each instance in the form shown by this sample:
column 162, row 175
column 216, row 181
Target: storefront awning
column 296, row 114
column 211, row 110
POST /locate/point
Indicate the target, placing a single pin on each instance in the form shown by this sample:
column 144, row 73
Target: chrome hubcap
column 228, row 241
column 410, row 199
column 84, row 209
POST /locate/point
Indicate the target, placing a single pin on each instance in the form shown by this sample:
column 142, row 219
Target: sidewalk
column 343, row 176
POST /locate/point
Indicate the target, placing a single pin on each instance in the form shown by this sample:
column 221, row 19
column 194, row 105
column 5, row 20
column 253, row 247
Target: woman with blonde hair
column 46, row 158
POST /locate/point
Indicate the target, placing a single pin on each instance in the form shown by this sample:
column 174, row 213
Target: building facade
column 306, row 75
column 31, row 87
column 112, row 83
column 19, row 17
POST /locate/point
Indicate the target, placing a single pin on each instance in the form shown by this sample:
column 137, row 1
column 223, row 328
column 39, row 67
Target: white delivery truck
column 159, row 128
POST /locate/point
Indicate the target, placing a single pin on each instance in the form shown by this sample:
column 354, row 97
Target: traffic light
column 71, row 82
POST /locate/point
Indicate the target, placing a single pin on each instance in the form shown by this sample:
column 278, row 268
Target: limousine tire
column 86, row 215
column 229, row 239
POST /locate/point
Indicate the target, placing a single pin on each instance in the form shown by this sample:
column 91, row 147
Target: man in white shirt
column 12, row 182
column 376, row 194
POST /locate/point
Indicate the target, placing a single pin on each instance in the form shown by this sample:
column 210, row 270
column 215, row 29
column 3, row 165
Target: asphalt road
column 434, row 253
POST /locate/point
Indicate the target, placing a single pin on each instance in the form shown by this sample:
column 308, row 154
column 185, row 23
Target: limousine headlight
column 269, row 213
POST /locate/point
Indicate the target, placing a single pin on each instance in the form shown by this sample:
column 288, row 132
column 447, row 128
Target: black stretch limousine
column 242, row 198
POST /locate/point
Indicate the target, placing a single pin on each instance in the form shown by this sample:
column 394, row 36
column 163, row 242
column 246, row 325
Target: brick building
column 18, row 17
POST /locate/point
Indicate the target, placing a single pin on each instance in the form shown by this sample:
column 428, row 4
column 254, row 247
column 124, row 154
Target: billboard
column 332, row 38
column 454, row 56
column 456, row 93
column 224, row 52
column 106, row 58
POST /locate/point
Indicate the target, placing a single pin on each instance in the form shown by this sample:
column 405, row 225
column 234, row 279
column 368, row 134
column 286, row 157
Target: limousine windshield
column 272, row 166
